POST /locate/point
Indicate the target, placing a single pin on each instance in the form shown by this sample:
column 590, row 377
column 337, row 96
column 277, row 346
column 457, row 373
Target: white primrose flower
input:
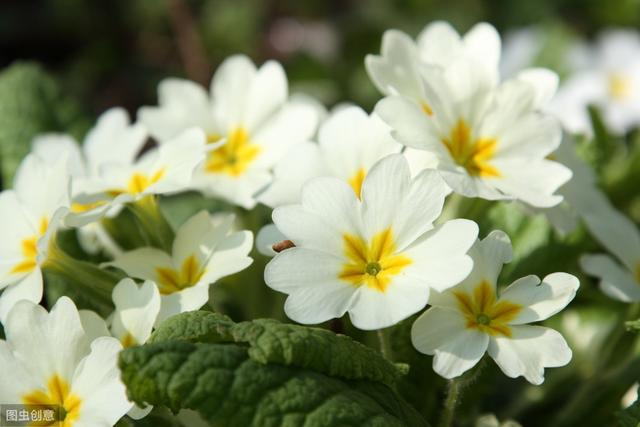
column 398, row 69
column 620, row 236
column 350, row 142
column 113, row 140
column 485, row 141
column 579, row 193
column 135, row 314
column 202, row 253
column 48, row 359
column 166, row 169
column 470, row 319
column 31, row 213
column 249, row 109
column 377, row 256
column 611, row 81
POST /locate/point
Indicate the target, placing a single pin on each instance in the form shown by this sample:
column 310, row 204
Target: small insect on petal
column 281, row 246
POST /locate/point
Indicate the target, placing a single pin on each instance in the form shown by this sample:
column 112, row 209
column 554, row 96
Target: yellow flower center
column 30, row 249
column 484, row 312
column 356, row 181
column 473, row 155
column 58, row 393
column 619, row 86
column 235, row 156
column 374, row 264
column 170, row 280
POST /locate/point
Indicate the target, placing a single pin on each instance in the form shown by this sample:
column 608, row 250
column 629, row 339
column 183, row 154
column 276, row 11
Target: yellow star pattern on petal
column 170, row 280
column 30, row 249
column 235, row 156
column 57, row 393
column 374, row 263
column 483, row 312
column 473, row 155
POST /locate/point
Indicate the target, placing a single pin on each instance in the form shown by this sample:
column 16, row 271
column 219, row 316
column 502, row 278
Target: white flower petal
column 113, row 140
column 230, row 256
column 17, row 380
column 94, row 326
column 136, row 309
column 541, row 300
column 198, row 237
column 533, row 182
column 43, row 200
column 439, row 43
column 440, row 257
column 267, row 92
column 615, row 281
column 188, row 299
column 528, row 351
column 267, row 237
column 230, row 88
column 411, row 126
column 97, row 383
column 57, row 146
column 352, row 141
column 142, row 263
column 617, row 233
column 310, row 278
column 29, row 288
column 462, row 352
column 32, row 331
column 294, row 123
column 396, row 70
column 371, row 309
column 301, row 163
column 239, row 190
column 182, row 104
column 483, row 42
column 544, row 81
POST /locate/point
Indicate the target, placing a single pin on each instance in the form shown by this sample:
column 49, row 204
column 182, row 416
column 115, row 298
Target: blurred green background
column 115, row 52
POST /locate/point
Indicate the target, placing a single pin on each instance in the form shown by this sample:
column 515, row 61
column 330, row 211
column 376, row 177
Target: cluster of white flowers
column 357, row 200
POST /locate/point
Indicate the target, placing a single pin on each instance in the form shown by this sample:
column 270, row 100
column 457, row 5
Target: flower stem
column 454, row 391
column 96, row 282
column 153, row 225
column 385, row 345
column 450, row 403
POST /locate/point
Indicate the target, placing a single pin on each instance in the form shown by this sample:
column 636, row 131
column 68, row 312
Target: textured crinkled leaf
column 270, row 341
column 195, row 326
column 31, row 103
column 319, row 349
column 228, row 388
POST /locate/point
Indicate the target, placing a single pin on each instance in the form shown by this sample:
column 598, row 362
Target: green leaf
column 228, row 388
column 31, row 103
column 195, row 326
column 629, row 417
column 270, row 341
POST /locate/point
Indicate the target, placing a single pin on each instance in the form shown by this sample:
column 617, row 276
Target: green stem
column 454, row 391
column 96, row 282
column 450, row 403
column 152, row 223
column 385, row 345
